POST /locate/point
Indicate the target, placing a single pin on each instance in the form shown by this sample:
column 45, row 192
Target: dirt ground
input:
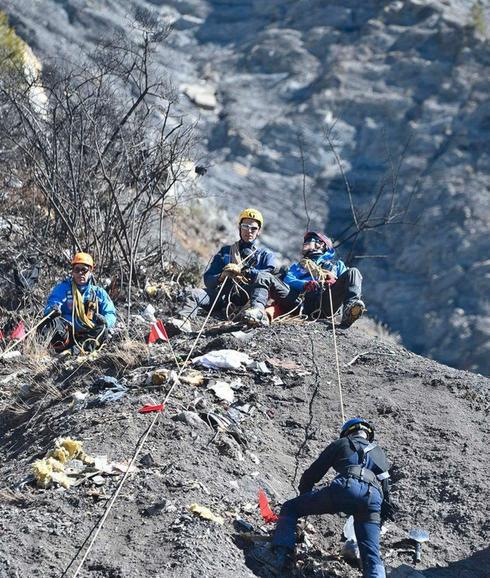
column 431, row 419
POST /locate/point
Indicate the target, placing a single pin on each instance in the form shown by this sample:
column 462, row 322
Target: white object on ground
column 223, row 359
column 149, row 313
column 222, row 390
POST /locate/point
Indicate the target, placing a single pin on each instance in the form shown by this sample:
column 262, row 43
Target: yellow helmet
column 83, row 259
column 251, row 214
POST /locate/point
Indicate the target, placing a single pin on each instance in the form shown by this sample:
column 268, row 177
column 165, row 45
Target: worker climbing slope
column 361, row 489
column 80, row 312
column 317, row 274
column 247, row 270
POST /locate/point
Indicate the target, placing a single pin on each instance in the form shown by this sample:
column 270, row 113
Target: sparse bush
column 100, row 160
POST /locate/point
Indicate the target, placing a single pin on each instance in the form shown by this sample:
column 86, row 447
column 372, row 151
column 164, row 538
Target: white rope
column 139, row 447
column 336, row 353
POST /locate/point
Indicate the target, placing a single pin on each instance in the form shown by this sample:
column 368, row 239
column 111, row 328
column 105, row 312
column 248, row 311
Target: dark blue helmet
column 356, row 424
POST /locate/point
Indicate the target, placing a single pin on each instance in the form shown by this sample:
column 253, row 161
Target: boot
column 275, row 558
column 351, row 313
column 256, row 316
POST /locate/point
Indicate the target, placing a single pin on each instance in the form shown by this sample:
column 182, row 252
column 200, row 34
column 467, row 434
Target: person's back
column 359, row 489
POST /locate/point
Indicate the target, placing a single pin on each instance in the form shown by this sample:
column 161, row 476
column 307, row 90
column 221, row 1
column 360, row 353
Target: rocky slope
column 430, row 418
column 398, row 79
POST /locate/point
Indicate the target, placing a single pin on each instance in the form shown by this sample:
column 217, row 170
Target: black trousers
column 258, row 292
column 59, row 334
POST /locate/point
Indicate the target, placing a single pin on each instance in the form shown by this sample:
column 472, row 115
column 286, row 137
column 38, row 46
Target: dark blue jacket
column 339, row 455
column 62, row 295
column 262, row 260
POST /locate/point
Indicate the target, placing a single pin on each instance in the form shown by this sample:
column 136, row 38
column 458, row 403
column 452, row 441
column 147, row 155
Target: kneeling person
column 80, row 312
column 247, row 271
column 360, row 489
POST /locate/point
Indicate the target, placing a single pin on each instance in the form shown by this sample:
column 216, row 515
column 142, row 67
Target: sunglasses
column 251, row 228
column 312, row 240
column 81, row 269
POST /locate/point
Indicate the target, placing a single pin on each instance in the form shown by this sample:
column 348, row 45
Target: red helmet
column 321, row 236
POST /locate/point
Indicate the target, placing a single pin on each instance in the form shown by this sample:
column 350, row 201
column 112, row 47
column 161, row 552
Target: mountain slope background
column 405, row 87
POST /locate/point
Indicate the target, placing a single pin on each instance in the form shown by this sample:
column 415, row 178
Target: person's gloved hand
column 99, row 319
column 311, row 286
column 231, row 270
column 55, row 311
column 329, row 277
column 388, row 511
column 250, row 272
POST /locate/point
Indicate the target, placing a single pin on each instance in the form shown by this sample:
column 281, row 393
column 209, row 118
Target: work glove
column 55, row 311
column 99, row 319
column 311, row 286
column 231, row 270
column 388, row 511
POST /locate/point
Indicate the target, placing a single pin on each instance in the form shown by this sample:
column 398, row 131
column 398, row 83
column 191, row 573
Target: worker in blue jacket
column 79, row 312
column 360, row 489
column 313, row 275
column 247, row 270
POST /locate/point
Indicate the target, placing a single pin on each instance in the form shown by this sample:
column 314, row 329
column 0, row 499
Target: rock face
column 400, row 81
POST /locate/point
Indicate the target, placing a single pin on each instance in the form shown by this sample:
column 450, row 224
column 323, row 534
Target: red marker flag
column 265, row 509
column 19, row 332
column 149, row 408
column 157, row 332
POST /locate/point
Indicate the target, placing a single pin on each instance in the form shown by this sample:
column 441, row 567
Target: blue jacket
column 262, row 260
column 297, row 276
column 62, row 295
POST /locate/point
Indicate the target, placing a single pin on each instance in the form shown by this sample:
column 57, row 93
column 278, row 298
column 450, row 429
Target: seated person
column 247, row 271
column 80, row 312
column 312, row 275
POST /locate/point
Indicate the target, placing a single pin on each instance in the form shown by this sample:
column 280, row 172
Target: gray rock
column 285, row 72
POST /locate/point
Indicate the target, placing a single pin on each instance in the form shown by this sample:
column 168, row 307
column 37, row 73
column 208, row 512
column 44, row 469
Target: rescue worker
column 312, row 275
column 247, row 271
column 360, row 489
column 80, row 312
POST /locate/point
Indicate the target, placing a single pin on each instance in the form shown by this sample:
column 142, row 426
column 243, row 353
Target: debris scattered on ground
column 113, row 390
column 9, row 355
column 159, row 376
column 206, row 514
column 192, row 377
column 259, row 367
column 190, row 418
column 284, row 363
column 222, row 390
column 52, row 467
column 79, row 400
column 223, row 359
column 149, row 313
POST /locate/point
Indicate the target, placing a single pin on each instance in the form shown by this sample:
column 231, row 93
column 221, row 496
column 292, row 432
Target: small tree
column 11, row 46
column 99, row 160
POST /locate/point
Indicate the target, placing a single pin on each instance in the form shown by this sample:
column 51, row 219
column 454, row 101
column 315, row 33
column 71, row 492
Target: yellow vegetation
column 12, row 48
